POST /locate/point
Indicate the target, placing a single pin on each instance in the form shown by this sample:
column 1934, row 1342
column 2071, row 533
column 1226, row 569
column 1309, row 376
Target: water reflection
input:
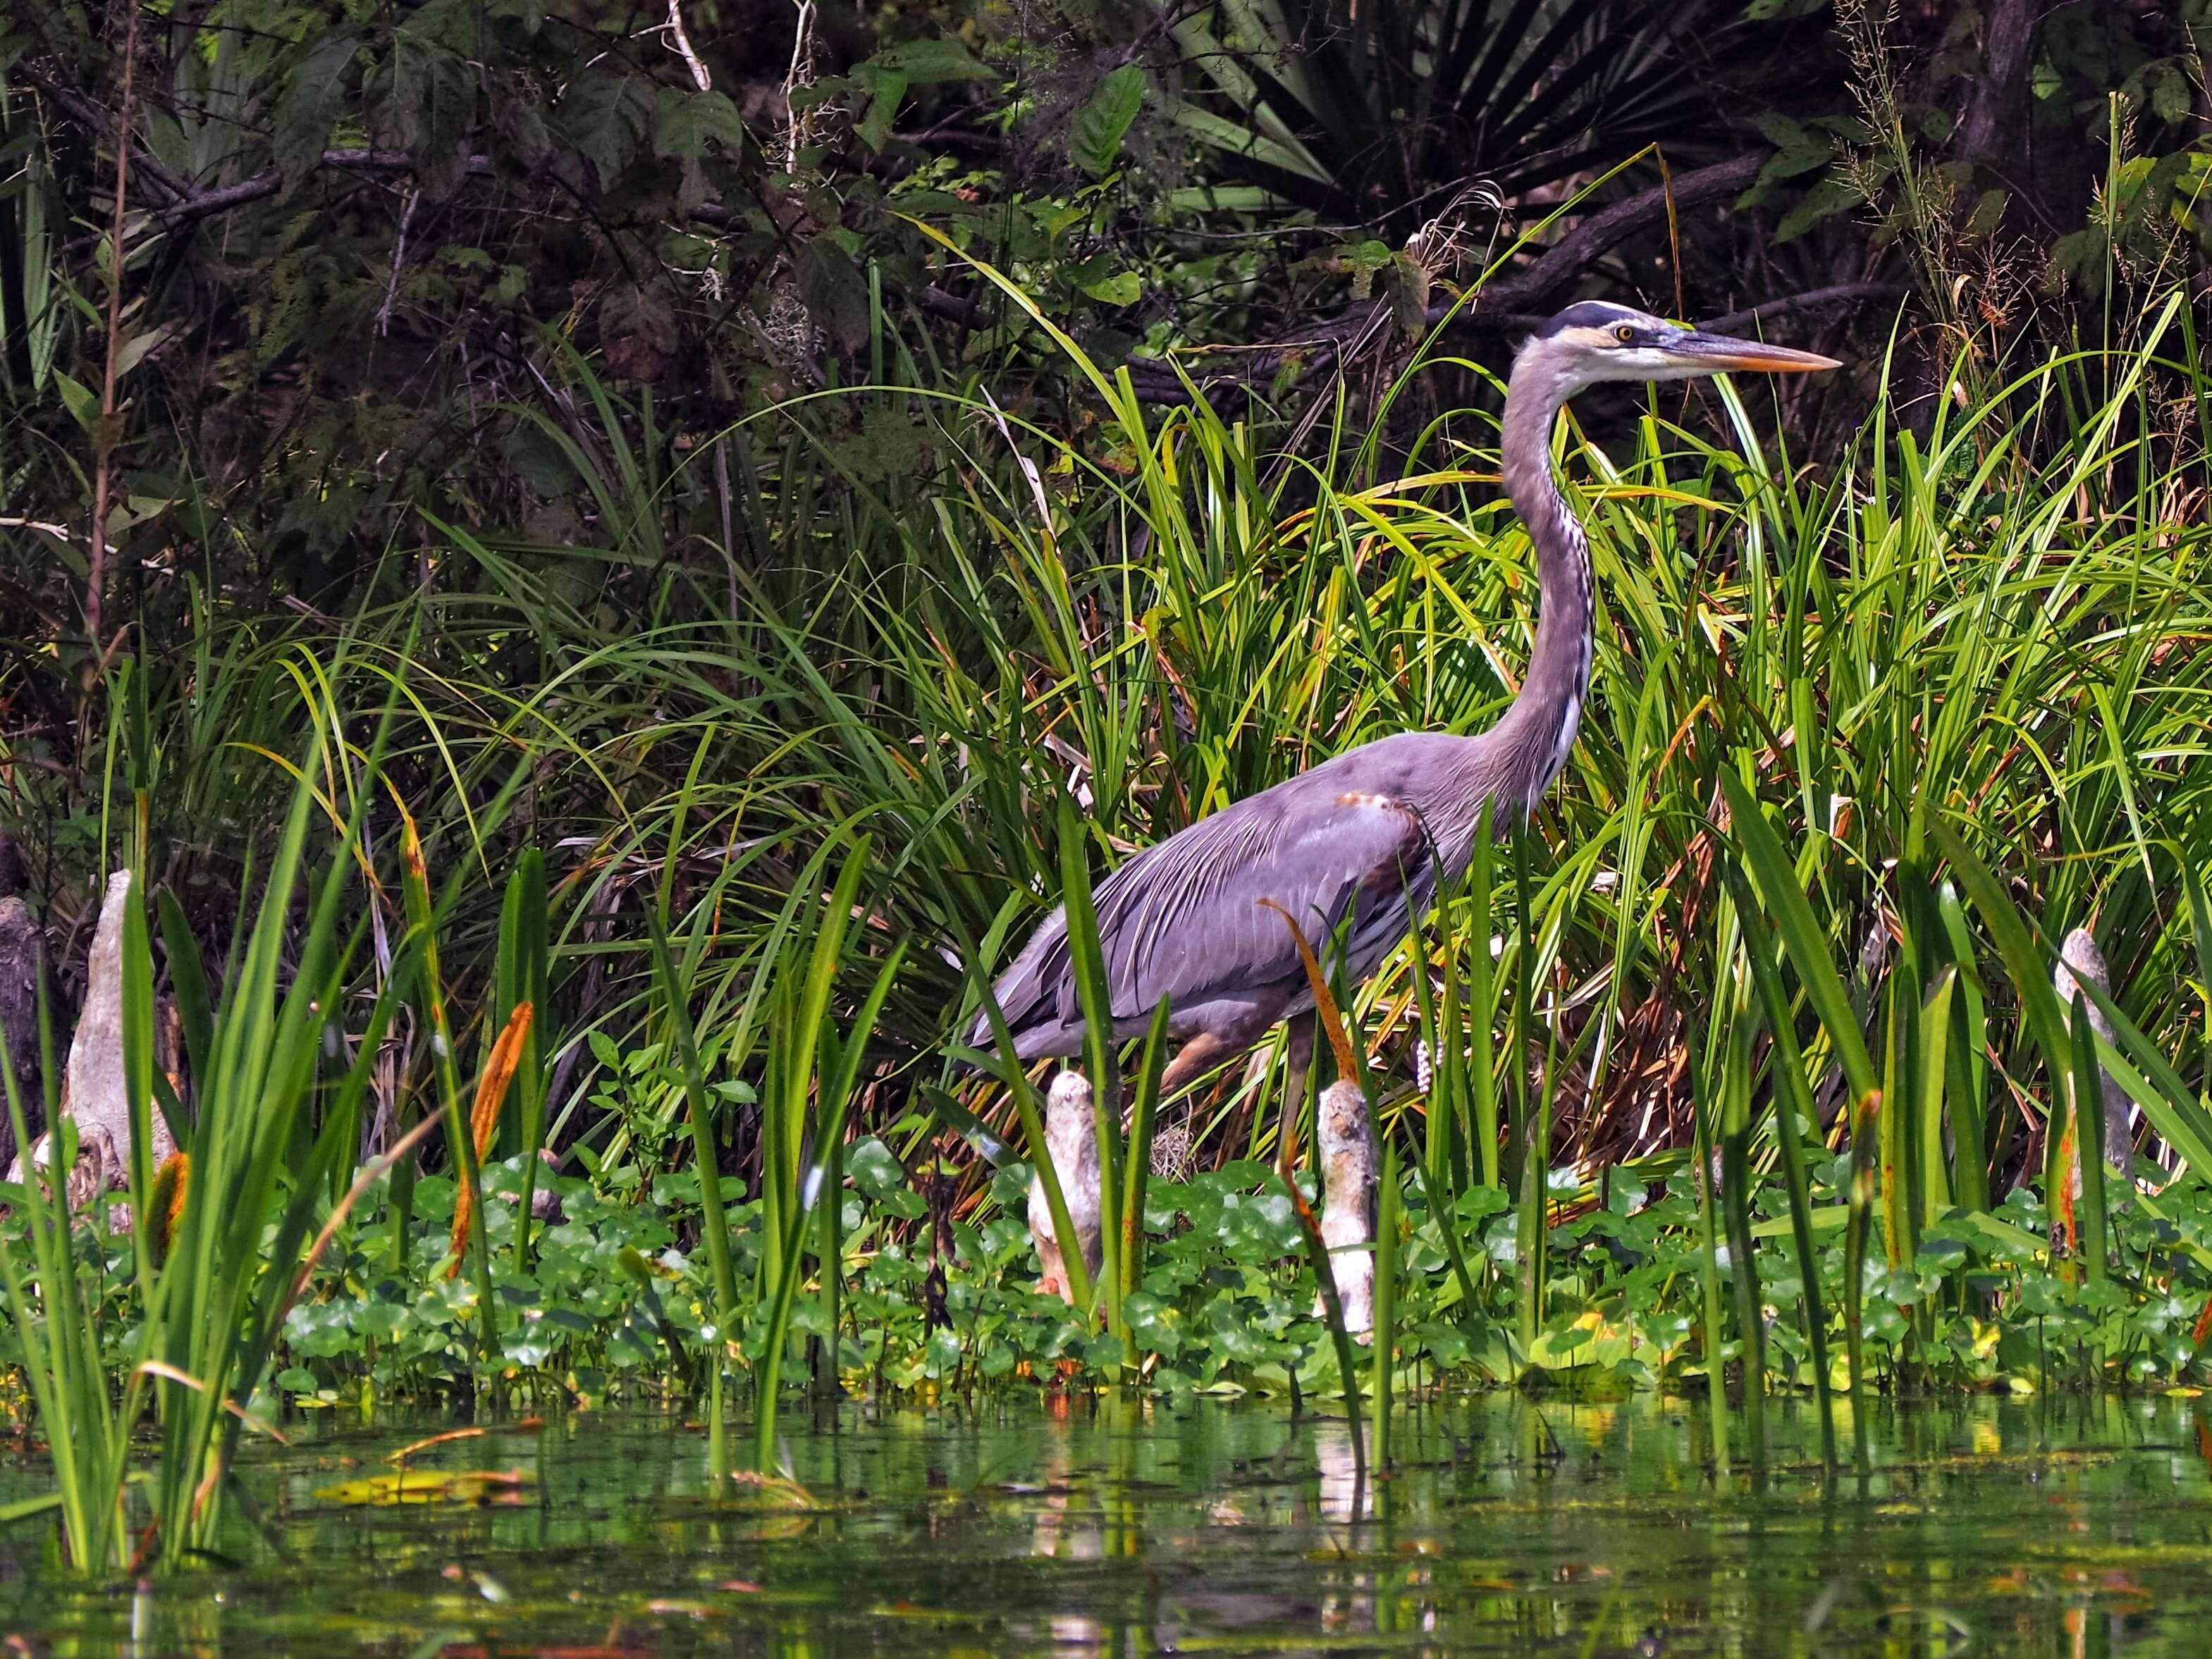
column 1346, row 1495
column 1069, row 1527
column 2073, row 1527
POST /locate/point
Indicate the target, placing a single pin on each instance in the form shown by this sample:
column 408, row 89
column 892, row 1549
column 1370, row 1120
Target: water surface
column 2053, row 1527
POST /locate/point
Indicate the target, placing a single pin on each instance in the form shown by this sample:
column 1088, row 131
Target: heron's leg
column 1196, row 1057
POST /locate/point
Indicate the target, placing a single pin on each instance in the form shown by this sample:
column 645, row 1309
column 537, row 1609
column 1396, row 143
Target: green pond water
column 2048, row 1527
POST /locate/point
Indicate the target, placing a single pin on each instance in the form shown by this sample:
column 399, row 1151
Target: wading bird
column 1360, row 839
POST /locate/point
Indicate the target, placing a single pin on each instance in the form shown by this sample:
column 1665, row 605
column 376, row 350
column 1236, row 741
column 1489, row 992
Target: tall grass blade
column 825, row 1176
column 1967, row 1063
column 1895, row 1123
column 1096, row 998
column 1858, row 1217
column 714, row 1219
column 1806, row 946
column 1802, row 937
column 837, row 1086
column 1481, row 997
column 1529, row 1148
column 2085, row 1083
column 2200, row 940
column 523, row 977
column 459, row 1141
column 1932, row 1058
column 60, row 1352
column 1389, row 1214
column 1743, row 1262
column 1705, row 1118
column 1040, row 1160
column 1143, row 1112
column 1331, row 1024
column 2024, row 962
column 1793, row 1106
column 2151, row 1081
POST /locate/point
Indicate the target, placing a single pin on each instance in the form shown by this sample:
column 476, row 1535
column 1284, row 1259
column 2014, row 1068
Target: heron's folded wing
column 1186, row 919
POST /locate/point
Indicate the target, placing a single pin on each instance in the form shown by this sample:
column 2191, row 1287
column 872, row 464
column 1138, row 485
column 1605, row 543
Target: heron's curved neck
column 1538, row 729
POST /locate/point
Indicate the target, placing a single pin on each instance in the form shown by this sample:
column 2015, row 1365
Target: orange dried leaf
column 406, row 1452
column 484, row 1117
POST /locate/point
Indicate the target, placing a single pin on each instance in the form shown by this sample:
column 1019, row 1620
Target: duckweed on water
column 617, row 1305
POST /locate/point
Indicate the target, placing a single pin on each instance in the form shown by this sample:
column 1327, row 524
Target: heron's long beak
column 1717, row 352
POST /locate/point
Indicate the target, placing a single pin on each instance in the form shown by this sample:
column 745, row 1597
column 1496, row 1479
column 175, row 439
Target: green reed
column 1932, row 679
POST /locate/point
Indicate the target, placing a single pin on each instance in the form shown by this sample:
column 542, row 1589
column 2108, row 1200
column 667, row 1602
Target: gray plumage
column 1361, row 838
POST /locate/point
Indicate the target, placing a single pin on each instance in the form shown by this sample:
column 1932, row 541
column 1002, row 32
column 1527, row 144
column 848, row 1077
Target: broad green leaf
column 308, row 106
column 1122, row 288
column 886, row 91
column 685, row 119
column 434, row 107
column 78, row 400
column 834, row 292
column 603, row 114
column 1094, row 138
column 1825, row 200
column 135, row 347
column 930, row 62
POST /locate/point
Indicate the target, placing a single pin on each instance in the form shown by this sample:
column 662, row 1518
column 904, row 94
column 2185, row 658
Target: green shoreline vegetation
column 1987, row 662
column 598, row 597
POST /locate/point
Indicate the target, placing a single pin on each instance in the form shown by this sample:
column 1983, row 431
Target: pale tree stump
column 2079, row 960
column 1071, row 1139
column 1349, row 1162
column 93, row 1095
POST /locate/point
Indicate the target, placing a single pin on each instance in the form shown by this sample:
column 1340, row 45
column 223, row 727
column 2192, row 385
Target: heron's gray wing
column 1189, row 919
column 1184, row 918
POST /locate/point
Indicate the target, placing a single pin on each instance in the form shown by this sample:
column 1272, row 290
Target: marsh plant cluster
column 628, row 718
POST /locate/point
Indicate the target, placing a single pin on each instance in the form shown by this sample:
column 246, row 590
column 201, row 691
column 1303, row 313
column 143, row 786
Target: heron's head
column 1593, row 341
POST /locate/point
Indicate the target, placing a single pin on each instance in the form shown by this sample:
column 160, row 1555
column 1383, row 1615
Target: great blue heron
column 1362, row 837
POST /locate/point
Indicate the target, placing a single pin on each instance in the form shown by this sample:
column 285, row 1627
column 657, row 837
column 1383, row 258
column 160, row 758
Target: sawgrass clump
column 748, row 834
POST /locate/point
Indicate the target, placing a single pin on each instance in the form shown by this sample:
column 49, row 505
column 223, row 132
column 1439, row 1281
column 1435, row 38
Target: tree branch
column 205, row 203
column 1514, row 300
column 94, row 119
column 1842, row 294
column 1559, row 265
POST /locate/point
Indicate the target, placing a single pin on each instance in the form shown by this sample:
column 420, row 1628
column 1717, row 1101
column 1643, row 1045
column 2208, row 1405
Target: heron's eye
column 1625, row 334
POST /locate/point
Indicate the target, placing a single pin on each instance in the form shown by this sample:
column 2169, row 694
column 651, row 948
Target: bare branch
column 1561, row 263
column 94, row 119
column 699, row 78
column 1818, row 299
column 1504, row 303
column 262, row 186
